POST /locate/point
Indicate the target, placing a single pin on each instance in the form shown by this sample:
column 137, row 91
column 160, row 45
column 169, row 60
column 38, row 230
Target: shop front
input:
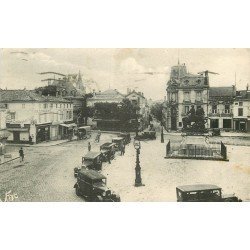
column 66, row 131
column 43, row 132
column 240, row 125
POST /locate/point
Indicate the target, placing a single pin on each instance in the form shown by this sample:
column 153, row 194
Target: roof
column 27, row 96
column 242, row 95
column 92, row 174
column 221, row 91
column 197, row 187
column 107, row 94
column 136, row 93
column 92, row 154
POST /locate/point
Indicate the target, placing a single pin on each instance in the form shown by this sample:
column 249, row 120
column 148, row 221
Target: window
column 214, row 109
column 240, row 103
column 240, row 111
column 70, row 114
column 227, row 109
column 198, row 95
column 186, row 109
column 23, row 105
column 67, row 105
column 51, row 105
column 186, row 96
column 13, row 116
column 44, row 105
column 180, row 124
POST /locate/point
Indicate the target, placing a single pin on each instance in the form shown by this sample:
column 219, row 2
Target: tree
column 157, row 112
column 47, row 90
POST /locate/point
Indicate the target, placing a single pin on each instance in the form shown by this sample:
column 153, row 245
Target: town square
column 145, row 134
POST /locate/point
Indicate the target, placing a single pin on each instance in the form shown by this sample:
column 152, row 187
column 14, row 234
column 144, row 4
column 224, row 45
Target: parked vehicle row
column 91, row 184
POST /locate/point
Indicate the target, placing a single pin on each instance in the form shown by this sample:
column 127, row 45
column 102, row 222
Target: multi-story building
column 241, row 111
column 183, row 91
column 220, row 108
column 139, row 99
column 32, row 118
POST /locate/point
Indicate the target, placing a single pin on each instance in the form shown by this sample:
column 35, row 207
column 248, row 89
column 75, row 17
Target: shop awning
column 18, row 129
column 70, row 125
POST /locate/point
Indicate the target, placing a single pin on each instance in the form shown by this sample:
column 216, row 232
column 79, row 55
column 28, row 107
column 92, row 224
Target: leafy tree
column 156, row 111
column 47, row 90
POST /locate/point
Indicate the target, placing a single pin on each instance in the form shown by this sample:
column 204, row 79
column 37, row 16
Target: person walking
column 89, row 147
column 21, row 154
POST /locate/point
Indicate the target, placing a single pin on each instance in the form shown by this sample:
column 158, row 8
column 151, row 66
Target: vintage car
column 126, row 136
column 83, row 132
column 146, row 135
column 203, row 193
column 118, row 141
column 92, row 160
column 108, row 150
column 92, row 185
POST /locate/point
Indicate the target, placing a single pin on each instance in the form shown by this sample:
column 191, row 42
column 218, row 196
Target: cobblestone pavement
column 47, row 172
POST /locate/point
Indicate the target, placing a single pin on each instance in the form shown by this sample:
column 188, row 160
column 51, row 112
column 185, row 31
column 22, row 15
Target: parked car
column 203, row 193
column 83, row 132
column 92, row 160
column 108, row 150
column 93, row 187
column 118, row 141
column 126, row 136
column 146, row 135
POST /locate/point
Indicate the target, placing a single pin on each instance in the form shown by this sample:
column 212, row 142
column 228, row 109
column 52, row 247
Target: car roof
column 92, row 174
column 92, row 154
column 117, row 138
column 107, row 144
column 197, row 187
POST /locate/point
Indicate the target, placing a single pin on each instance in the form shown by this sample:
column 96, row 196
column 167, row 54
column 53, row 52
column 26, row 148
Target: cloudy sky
column 123, row 68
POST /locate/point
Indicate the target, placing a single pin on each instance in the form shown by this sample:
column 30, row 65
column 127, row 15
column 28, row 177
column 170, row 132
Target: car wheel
column 78, row 191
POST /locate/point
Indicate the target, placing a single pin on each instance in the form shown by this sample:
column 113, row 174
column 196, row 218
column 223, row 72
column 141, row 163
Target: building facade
column 32, row 118
column 183, row 91
column 241, row 111
column 220, row 107
column 138, row 98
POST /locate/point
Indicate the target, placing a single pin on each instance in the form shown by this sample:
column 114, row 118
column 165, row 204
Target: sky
column 123, row 68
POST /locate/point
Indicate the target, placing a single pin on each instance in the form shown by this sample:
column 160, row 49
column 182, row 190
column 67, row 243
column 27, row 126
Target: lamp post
column 162, row 135
column 138, row 180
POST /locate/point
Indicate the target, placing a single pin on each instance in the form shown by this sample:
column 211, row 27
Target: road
column 47, row 172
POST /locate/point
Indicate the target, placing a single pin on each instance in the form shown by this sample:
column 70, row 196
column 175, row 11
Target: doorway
column 16, row 136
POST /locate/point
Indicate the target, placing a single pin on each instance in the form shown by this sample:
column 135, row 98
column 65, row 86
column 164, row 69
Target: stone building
column 220, row 107
column 183, row 91
column 241, row 111
column 32, row 118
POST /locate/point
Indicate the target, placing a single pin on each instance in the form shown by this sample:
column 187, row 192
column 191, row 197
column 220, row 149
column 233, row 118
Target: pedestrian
column 124, row 148
column 109, row 157
column 89, row 146
column 21, row 154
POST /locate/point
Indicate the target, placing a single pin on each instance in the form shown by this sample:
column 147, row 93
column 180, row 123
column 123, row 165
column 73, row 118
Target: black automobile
column 203, row 193
column 118, row 141
column 108, row 151
column 126, row 137
column 92, row 185
column 92, row 160
column 146, row 135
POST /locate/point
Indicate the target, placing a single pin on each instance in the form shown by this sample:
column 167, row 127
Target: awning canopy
column 70, row 125
column 18, row 129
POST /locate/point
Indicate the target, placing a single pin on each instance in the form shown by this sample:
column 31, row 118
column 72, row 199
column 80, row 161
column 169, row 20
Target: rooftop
column 27, row 96
column 108, row 94
column 92, row 174
column 222, row 91
column 197, row 187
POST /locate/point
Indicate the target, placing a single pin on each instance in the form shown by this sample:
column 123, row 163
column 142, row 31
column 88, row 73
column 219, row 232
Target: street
column 47, row 172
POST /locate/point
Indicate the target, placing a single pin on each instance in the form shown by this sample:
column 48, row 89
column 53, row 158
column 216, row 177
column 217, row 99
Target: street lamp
column 138, row 181
column 162, row 135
